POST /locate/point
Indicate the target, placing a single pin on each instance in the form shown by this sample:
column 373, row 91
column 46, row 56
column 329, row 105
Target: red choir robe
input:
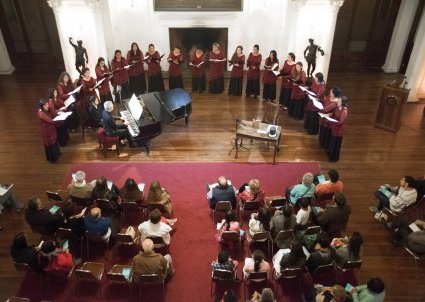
column 64, row 90
column 120, row 77
column 319, row 90
column 253, row 63
column 87, row 85
column 197, row 72
column 47, row 128
column 299, row 80
column 337, row 128
column 237, row 71
column 328, row 106
column 153, row 62
column 268, row 76
column 137, row 68
column 216, row 68
column 103, row 88
column 287, row 72
column 56, row 104
column 175, row 70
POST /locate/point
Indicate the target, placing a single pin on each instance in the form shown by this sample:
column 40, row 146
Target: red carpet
column 193, row 246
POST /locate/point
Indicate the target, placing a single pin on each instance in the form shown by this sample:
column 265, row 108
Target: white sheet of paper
column 99, row 83
column 109, row 184
column 261, row 131
column 276, row 72
column 69, row 101
column 127, row 66
column 76, row 89
column 3, row 191
column 275, row 65
column 141, row 186
column 303, row 88
column 145, row 58
column 200, row 64
column 62, row 117
column 414, row 227
column 311, row 93
column 316, row 103
column 324, row 115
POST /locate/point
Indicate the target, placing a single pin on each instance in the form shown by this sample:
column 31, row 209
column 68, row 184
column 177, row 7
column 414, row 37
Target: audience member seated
column 55, row 258
column 266, row 295
column 332, row 294
column 396, row 198
column 256, row 264
column 348, row 249
column 74, row 222
column 155, row 227
column 305, row 189
column 21, row 252
column 222, row 190
column 96, row 224
column 229, row 223
column 150, row 262
column 130, row 192
column 294, row 257
column 78, row 187
column 323, row 253
column 330, row 186
column 102, row 188
column 8, row 198
column 229, row 296
column 224, row 262
column 413, row 238
column 303, row 214
column 373, row 291
column 251, row 192
column 335, row 215
column 36, row 215
column 260, row 221
column 95, row 112
column 282, row 220
column 419, row 185
column 157, row 194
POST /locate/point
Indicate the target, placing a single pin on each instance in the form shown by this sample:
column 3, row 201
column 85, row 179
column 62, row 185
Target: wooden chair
column 160, row 207
column 116, row 275
column 248, row 207
column 90, row 271
column 349, row 266
column 271, row 111
column 107, row 208
column 131, row 211
column 124, row 239
column 68, row 234
column 287, row 275
column 54, row 196
column 221, row 207
column 94, row 238
column 221, row 276
column 149, row 280
column 159, row 245
column 283, row 239
column 255, row 278
column 417, row 257
column 106, row 142
column 324, row 274
column 231, row 238
column 260, row 237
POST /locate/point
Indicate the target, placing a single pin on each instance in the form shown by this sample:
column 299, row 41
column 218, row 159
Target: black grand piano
column 150, row 112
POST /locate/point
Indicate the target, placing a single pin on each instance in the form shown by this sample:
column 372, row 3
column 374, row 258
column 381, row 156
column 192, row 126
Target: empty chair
column 123, row 238
column 286, row 281
column 147, row 280
column 122, row 274
column 232, row 239
column 248, row 207
column 90, row 271
column 271, row 111
column 348, row 269
column 221, row 207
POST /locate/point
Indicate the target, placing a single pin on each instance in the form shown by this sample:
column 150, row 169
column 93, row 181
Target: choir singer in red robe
column 253, row 74
column 64, row 86
column 155, row 79
column 216, row 60
column 324, row 124
column 56, row 106
column 136, row 72
column 337, row 128
column 102, row 72
column 311, row 117
column 88, row 87
column 236, row 76
column 120, row 76
column 48, row 132
column 175, row 58
column 287, row 72
column 269, row 78
column 197, row 67
column 297, row 103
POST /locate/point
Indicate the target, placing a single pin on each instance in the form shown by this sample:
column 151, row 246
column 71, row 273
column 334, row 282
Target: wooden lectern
column 390, row 108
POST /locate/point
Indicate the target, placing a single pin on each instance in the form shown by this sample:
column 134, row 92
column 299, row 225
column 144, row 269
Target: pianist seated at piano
column 95, row 112
column 109, row 124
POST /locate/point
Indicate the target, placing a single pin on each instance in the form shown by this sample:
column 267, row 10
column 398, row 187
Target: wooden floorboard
column 369, row 157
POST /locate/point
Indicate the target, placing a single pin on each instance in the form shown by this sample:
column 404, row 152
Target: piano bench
column 106, row 142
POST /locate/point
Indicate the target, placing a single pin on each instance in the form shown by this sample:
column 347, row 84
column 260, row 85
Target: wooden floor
column 370, row 157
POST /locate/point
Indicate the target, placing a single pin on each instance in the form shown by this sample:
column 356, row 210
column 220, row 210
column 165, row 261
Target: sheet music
column 324, row 115
column 135, row 107
column 76, row 90
column 99, row 83
column 276, row 72
column 62, row 117
column 316, row 103
column 141, row 186
column 127, row 66
column 311, row 93
column 3, row 190
column 274, row 66
column 414, row 227
column 303, row 88
column 69, row 101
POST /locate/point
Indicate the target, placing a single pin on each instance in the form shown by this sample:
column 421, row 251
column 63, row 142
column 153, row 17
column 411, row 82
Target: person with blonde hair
column 251, row 192
column 157, row 194
column 305, row 189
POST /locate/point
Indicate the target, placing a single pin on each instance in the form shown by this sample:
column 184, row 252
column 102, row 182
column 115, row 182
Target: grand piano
column 150, row 112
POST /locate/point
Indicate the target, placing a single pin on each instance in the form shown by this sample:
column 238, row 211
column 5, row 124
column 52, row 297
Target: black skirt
column 199, row 84
column 137, row 84
column 63, row 135
column 235, row 86
column 52, row 152
column 156, row 83
column 324, row 136
column 311, row 122
column 296, row 108
column 285, row 97
column 269, row 92
column 72, row 122
column 123, row 94
column 105, row 98
column 216, row 86
column 252, row 87
column 176, row 82
column 334, row 148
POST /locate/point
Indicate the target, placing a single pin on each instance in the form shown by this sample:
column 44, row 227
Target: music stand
column 237, row 122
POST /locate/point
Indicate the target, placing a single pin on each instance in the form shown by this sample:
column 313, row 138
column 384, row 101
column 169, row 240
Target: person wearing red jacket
column 175, row 58
column 155, row 79
column 120, row 76
column 236, row 76
column 102, row 71
column 253, row 74
column 136, row 72
column 48, row 132
column 197, row 68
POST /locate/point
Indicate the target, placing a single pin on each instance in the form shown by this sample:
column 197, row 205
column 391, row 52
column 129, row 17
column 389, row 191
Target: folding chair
column 221, row 207
column 151, row 279
column 231, row 238
column 248, row 206
column 220, row 276
column 68, row 234
column 90, row 271
column 94, row 238
column 324, row 274
column 283, row 239
column 116, row 275
column 259, row 237
column 255, row 278
column 349, row 266
column 416, row 257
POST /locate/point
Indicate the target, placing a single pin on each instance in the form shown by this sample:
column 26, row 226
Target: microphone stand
column 237, row 123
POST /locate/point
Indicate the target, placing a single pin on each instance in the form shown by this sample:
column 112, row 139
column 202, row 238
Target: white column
column 6, row 66
column 415, row 73
column 81, row 20
column 314, row 19
column 403, row 23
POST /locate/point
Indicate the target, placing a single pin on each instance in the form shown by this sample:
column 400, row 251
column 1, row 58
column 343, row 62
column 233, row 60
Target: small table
column 246, row 130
